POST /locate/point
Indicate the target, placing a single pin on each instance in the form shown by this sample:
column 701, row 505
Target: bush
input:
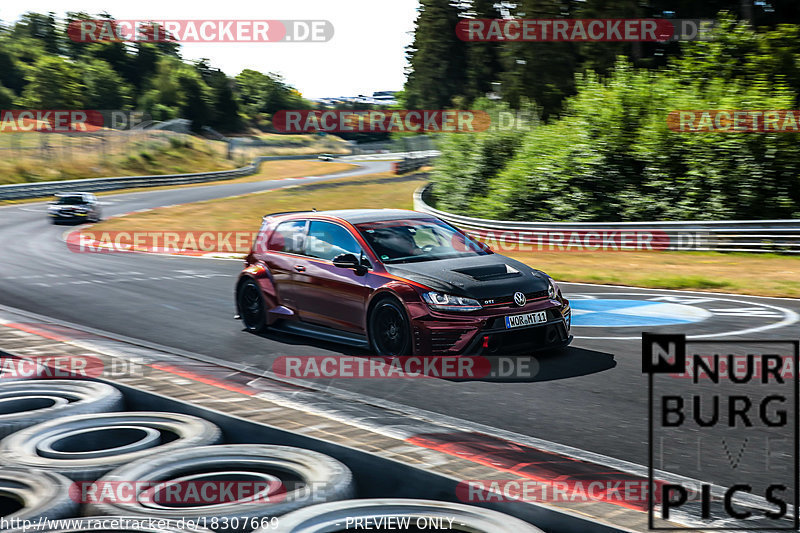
column 611, row 157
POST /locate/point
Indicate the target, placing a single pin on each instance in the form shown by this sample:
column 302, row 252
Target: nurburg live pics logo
column 731, row 421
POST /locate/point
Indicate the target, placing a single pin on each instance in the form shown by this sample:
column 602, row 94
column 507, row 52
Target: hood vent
column 489, row 272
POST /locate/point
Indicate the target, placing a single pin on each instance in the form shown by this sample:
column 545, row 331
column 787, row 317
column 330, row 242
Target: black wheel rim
column 390, row 331
column 251, row 305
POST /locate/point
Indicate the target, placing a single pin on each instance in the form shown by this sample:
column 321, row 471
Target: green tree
column 194, row 98
column 6, row 98
column 437, row 57
column 223, row 101
column 483, row 65
column 53, row 83
column 542, row 72
column 262, row 95
column 41, row 28
column 105, row 89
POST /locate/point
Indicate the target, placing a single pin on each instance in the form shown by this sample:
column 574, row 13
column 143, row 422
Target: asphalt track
column 593, row 396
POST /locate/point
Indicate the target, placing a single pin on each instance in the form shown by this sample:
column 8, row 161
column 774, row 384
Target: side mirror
column 346, row 261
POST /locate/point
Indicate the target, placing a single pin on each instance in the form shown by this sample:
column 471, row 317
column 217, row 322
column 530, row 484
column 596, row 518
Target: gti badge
column 519, row 299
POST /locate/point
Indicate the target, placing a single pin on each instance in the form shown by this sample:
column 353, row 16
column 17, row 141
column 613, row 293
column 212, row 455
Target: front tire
column 252, row 307
column 389, row 330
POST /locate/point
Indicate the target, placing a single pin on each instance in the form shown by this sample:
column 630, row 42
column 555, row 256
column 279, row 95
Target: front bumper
column 486, row 333
column 58, row 215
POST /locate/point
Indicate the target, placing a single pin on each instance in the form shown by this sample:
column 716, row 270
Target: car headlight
column 552, row 289
column 448, row 302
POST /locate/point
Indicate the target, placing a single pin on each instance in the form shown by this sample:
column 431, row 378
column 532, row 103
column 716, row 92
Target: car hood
column 480, row 277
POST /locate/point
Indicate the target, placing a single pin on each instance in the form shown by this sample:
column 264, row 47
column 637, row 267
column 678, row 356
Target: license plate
column 518, row 321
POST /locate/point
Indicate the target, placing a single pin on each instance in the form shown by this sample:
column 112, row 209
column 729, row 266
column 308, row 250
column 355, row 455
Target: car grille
column 526, row 339
column 509, row 300
column 444, row 339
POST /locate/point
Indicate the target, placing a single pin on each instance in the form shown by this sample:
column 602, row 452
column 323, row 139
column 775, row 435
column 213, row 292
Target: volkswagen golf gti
column 397, row 283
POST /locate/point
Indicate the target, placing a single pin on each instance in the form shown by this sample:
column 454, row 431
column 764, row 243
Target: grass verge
column 243, row 213
column 78, row 158
column 762, row 275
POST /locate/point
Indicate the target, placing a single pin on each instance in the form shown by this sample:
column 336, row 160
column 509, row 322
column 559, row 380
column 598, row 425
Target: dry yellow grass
column 70, row 160
column 764, row 275
column 243, row 213
column 270, row 170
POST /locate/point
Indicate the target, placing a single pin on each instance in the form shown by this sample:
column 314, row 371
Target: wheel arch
column 261, row 275
column 396, row 291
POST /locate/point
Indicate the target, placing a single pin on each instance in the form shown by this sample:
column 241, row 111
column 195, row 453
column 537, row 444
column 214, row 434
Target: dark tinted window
column 412, row 240
column 288, row 237
column 71, row 200
column 326, row 240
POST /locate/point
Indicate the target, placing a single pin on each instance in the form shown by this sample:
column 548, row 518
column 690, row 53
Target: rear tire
column 252, row 307
column 389, row 330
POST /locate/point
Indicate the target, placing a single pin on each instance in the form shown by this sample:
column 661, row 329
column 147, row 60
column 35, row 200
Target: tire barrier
column 32, row 495
column 276, row 480
column 164, row 472
column 114, row 524
column 72, row 445
column 26, row 403
column 402, row 514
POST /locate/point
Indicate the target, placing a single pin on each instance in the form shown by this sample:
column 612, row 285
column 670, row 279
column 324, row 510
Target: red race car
column 398, row 283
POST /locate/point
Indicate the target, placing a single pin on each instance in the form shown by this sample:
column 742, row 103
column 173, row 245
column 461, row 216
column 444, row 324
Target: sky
column 366, row 53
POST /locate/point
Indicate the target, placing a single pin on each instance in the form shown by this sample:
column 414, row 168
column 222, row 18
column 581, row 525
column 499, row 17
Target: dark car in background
column 75, row 206
column 396, row 282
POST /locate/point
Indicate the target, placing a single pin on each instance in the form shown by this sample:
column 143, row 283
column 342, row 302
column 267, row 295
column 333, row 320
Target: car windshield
column 414, row 240
column 70, row 200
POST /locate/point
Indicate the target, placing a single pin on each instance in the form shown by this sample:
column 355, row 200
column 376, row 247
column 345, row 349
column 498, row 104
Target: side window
column 288, row 237
column 327, row 240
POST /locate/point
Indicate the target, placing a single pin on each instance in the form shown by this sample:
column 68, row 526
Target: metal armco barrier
column 780, row 236
column 48, row 188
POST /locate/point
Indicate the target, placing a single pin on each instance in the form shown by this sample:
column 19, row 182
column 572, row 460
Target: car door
column 285, row 260
column 326, row 294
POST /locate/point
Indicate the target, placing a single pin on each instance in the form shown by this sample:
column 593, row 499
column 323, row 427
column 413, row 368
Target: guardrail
column 24, row 191
column 780, row 236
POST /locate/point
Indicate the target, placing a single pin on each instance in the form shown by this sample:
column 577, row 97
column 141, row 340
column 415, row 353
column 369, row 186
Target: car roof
column 358, row 216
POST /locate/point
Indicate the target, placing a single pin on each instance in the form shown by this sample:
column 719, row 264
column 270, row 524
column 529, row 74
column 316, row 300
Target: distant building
column 378, row 98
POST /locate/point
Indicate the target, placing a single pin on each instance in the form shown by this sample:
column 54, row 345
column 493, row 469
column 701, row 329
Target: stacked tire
column 402, row 514
column 66, row 445
column 25, row 403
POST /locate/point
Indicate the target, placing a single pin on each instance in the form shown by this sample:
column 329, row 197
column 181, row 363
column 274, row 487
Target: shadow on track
column 569, row 362
column 565, row 363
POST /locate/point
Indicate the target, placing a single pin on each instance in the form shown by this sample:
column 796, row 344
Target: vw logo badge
column 519, row 299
